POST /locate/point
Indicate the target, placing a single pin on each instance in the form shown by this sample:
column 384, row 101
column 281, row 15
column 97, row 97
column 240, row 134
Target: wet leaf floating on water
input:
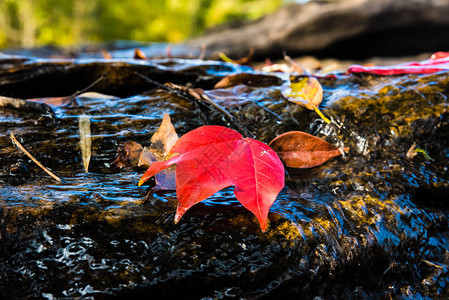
column 256, row 80
column 70, row 101
column 302, row 150
column 306, row 92
column 211, row 158
column 231, row 97
column 85, row 140
column 439, row 61
column 146, row 158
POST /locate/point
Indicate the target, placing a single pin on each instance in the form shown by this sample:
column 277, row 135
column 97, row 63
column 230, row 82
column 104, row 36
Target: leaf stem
column 226, row 59
column 318, row 111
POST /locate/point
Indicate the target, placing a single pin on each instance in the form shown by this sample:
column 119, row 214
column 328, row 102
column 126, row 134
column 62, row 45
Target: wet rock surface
column 373, row 224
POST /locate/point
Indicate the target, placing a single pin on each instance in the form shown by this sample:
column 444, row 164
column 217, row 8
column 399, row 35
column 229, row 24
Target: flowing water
column 371, row 224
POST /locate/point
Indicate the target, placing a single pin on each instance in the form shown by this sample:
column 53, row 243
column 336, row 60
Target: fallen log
column 341, row 29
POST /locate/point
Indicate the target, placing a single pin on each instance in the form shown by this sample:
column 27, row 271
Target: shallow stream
column 371, row 224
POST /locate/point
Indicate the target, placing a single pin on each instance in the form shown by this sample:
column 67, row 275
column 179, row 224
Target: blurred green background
column 31, row 23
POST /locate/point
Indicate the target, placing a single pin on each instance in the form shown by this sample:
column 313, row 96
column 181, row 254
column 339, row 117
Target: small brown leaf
column 248, row 79
column 411, row 152
column 164, row 138
column 298, row 149
column 247, row 59
column 128, row 154
column 138, row 54
column 106, row 54
column 297, row 67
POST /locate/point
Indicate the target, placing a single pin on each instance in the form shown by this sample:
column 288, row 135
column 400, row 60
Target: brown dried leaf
column 247, row 59
column 296, row 66
column 138, row 54
column 248, row 79
column 128, row 154
column 164, row 138
column 106, row 54
column 411, row 152
column 298, row 149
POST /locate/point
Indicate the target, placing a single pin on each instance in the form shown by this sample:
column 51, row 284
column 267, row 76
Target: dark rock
column 343, row 29
column 29, row 78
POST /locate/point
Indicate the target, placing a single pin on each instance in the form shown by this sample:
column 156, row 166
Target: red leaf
column 302, row 150
column 439, row 61
column 212, row 158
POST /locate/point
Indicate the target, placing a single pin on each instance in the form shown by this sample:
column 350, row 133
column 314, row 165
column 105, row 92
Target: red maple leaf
column 212, row 158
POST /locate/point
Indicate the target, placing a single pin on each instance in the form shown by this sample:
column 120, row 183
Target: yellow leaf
column 307, row 92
